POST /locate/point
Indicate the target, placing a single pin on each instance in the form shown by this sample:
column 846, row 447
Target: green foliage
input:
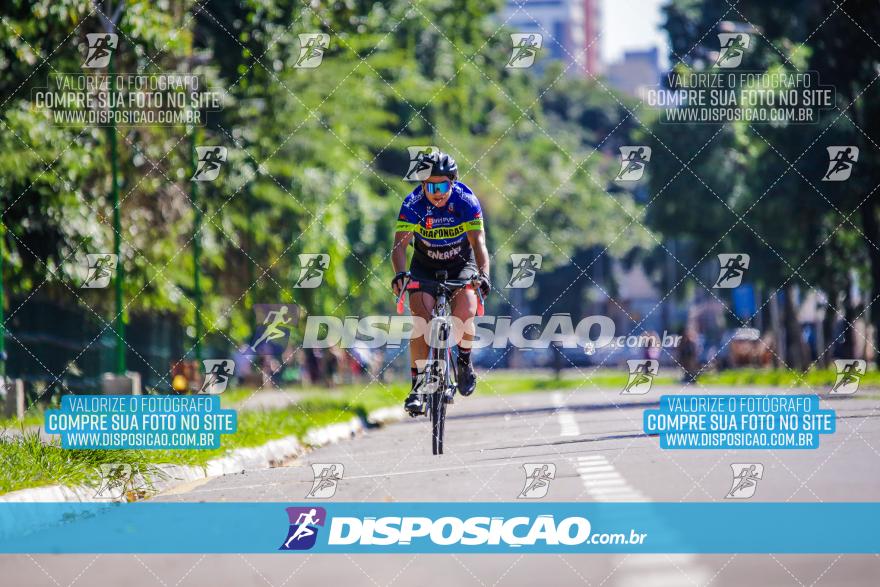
column 757, row 188
column 316, row 156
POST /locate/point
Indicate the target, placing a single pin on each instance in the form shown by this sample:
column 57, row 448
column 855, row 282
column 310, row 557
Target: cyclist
column 443, row 220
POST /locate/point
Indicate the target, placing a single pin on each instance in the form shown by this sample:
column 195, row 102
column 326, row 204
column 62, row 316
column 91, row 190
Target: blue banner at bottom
column 411, row 527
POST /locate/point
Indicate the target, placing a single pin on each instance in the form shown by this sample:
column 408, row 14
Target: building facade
column 570, row 29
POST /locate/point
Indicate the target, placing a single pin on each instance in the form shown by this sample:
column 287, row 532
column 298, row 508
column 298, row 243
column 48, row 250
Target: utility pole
column 197, row 225
column 251, row 270
column 2, row 312
column 197, row 245
column 119, row 321
column 111, row 24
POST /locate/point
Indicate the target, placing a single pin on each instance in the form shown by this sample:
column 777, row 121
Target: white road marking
column 567, row 421
column 663, row 576
column 582, row 471
column 603, row 482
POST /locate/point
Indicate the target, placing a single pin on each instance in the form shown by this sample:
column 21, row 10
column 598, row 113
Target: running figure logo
column 538, row 478
column 217, row 375
column 745, row 480
column 99, row 270
column 116, row 479
column 277, row 321
column 733, row 47
column 430, row 378
column 733, row 267
column 312, row 268
column 525, row 268
column 849, row 375
column 100, row 49
column 327, row 476
column 840, row 162
column 525, row 49
column 641, row 376
column 633, row 159
column 419, row 169
column 303, row 531
column 311, row 49
column 209, row 161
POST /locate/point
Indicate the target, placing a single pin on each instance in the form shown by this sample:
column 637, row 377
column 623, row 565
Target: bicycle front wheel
column 437, row 405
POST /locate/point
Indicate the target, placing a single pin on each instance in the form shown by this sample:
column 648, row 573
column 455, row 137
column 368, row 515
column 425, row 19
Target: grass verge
column 29, row 462
column 819, row 379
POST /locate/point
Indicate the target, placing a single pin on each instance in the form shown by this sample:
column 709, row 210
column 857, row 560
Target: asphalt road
column 593, row 437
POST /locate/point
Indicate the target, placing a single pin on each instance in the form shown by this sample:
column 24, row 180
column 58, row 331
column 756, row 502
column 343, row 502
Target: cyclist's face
column 432, row 189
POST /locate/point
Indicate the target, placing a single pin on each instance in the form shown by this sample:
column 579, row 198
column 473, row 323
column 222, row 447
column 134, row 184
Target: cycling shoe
column 467, row 378
column 414, row 405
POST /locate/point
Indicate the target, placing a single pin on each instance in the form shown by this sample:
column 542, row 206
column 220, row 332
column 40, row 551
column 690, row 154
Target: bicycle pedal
column 449, row 398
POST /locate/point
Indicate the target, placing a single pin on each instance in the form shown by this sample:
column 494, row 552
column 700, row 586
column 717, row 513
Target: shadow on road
column 551, row 409
column 566, row 442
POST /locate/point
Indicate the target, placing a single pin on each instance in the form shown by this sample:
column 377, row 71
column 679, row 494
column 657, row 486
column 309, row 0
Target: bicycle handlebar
column 448, row 283
column 409, row 284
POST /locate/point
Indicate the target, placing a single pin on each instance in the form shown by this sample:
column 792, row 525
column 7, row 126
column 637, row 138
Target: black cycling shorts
column 465, row 271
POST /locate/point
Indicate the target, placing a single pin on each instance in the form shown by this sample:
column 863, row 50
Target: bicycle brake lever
column 400, row 302
column 480, row 308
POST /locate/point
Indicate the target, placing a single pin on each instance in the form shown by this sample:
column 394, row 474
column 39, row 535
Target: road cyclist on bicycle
column 443, row 221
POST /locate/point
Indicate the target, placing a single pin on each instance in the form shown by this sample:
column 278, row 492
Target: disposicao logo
column 449, row 530
column 303, row 531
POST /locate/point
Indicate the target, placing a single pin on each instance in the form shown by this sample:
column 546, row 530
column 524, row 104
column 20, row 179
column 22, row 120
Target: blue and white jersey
column 440, row 234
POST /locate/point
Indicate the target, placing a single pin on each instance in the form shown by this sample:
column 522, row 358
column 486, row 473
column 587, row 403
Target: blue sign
column 739, row 421
column 380, row 527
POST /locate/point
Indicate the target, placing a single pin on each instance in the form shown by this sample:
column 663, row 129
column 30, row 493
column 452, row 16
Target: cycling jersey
column 440, row 234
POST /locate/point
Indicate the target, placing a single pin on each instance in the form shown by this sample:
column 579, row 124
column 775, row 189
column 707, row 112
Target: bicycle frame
column 441, row 323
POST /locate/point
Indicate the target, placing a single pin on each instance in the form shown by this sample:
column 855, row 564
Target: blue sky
column 632, row 24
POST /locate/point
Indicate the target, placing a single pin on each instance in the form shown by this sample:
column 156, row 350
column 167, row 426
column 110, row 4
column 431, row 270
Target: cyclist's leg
column 464, row 309
column 464, row 306
column 421, row 304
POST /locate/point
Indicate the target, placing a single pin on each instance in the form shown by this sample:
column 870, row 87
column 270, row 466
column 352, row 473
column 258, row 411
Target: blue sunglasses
column 441, row 187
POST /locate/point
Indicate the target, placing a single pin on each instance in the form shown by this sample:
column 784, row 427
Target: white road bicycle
column 437, row 383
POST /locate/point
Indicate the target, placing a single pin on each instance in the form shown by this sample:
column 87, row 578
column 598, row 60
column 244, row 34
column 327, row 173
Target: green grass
column 816, row 378
column 27, row 462
column 33, row 417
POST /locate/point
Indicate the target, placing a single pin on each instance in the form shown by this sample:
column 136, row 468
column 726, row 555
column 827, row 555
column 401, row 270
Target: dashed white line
column 567, row 422
column 603, row 482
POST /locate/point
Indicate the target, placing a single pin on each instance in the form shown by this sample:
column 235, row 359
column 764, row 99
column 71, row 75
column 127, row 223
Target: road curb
column 240, row 460
column 387, row 415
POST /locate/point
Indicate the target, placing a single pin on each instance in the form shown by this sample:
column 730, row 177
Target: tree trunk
column 826, row 353
column 871, row 228
column 778, row 335
column 796, row 355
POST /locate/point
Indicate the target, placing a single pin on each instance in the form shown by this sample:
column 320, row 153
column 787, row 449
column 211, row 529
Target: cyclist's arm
column 398, row 251
column 477, row 238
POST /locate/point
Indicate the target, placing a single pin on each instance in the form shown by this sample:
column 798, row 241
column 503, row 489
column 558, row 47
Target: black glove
column 485, row 284
column 399, row 279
